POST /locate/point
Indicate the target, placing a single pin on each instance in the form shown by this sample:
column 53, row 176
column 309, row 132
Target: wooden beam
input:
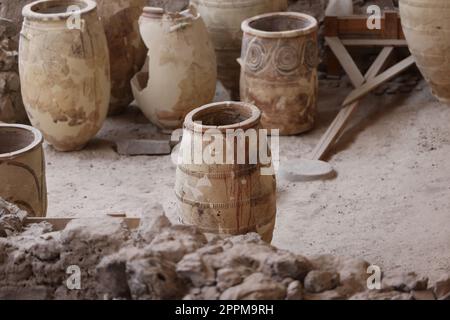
column 334, row 131
column 60, row 223
column 379, row 63
column 338, row 125
column 346, row 61
column 377, row 81
column 390, row 30
column 374, row 42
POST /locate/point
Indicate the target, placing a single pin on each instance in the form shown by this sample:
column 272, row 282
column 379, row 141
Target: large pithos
column 64, row 71
column 127, row 52
column 220, row 192
column 181, row 73
column 22, row 168
column 223, row 19
column 426, row 24
column 279, row 70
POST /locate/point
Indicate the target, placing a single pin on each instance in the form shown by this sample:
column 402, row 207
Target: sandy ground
column 389, row 204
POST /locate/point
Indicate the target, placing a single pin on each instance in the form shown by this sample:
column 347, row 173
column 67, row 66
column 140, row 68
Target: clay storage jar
column 127, row 52
column 64, row 71
column 426, row 24
column 279, row 70
column 22, row 168
column 181, row 74
column 223, row 19
column 219, row 196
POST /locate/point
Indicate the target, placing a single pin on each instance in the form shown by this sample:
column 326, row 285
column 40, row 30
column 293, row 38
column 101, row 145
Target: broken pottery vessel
column 64, row 71
column 22, row 168
column 426, row 24
column 222, row 193
column 127, row 52
column 223, row 19
column 181, row 71
column 279, row 70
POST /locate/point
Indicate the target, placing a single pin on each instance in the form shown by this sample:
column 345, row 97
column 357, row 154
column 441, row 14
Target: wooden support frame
column 353, row 31
column 363, row 85
column 355, row 27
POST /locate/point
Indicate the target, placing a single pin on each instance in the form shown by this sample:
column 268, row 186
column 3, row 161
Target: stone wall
column 11, row 105
column 164, row 261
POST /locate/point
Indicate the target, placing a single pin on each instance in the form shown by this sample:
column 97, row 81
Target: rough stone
column 285, row 264
column 294, row 291
column 319, row 281
column 11, row 219
column 21, row 293
column 161, row 261
column 193, row 269
column 151, row 277
column 176, row 242
column 152, row 223
column 258, row 286
column 227, row 278
column 405, row 282
column 326, row 295
column 442, row 288
column 423, row 295
column 353, row 272
column 112, row 275
column 377, row 295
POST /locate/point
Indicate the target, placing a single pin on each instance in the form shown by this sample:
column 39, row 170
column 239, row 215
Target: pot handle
column 24, row 35
column 240, row 61
column 192, row 10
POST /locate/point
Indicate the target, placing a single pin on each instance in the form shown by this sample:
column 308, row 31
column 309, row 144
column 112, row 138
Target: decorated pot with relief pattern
column 279, row 70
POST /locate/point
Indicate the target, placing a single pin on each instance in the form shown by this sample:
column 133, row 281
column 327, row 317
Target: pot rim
column 311, row 27
column 29, row 13
column 253, row 119
column 38, row 140
column 150, row 12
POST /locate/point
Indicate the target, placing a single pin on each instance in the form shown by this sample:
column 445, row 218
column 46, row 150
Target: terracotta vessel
column 226, row 195
column 22, row 168
column 127, row 52
column 64, row 71
column 181, row 72
column 426, row 24
column 279, row 70
column 223, row 19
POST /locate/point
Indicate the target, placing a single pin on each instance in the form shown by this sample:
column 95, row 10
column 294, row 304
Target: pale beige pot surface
column 426, row 24
column 279, row 70
column 127, row 52
column 181, row 73
column 64, row 72
column 22, row 168
column 234, row 197
column 223, row 19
